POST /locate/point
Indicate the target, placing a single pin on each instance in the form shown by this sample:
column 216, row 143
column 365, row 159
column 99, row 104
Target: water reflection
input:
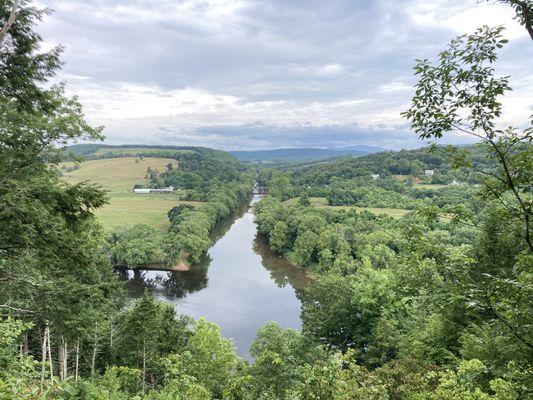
column 240, row 285
column 282, row 271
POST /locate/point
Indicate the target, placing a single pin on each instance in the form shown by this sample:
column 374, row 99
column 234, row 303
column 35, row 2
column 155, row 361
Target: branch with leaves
column 460, row 93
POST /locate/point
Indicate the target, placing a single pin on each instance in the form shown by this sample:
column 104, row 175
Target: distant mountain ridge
column 94, row 150
column 304, row 153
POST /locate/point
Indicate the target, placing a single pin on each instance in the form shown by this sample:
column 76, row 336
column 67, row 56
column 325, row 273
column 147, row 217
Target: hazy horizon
column 248, row 75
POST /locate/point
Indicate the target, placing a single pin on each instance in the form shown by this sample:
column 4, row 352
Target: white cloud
column 330, row 69
column 468, row 20
column 164, row 70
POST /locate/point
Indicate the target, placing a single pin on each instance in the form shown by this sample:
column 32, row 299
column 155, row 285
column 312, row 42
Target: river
column 240, row 286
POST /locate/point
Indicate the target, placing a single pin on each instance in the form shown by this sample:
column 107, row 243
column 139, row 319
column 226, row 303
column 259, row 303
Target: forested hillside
column 404, row 180
column 299, row 154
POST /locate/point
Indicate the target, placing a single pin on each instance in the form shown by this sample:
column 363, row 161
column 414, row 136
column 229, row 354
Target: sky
column 260, row 74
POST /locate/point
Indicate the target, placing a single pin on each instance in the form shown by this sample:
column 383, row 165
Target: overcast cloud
column 249, row 74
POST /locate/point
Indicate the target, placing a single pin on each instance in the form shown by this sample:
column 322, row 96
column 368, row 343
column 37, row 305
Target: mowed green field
column 432, row 186
column 321, row 202
column 118, row 176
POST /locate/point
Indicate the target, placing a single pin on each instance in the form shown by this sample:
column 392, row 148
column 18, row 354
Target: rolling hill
column 307, row 153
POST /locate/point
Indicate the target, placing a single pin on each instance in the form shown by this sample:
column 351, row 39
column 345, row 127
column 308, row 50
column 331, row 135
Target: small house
column 374, row 176
column 429, row 172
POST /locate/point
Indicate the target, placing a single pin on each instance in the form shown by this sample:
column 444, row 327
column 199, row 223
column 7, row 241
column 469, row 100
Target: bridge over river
column 260, row 190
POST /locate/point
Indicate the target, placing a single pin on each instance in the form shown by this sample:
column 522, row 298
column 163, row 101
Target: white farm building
column 169, row 189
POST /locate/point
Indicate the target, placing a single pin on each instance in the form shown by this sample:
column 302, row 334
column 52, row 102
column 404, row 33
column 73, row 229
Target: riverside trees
column 419, row 297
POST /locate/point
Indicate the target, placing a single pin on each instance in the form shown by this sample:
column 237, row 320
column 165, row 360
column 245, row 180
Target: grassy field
column 321, row 202
column 116, row 174
column 119, row 175
column 433, row 186
column 127, row 209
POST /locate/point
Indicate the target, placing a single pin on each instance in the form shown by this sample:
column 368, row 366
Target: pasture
column 118, row 176
column 321, row 202
column 128, row 209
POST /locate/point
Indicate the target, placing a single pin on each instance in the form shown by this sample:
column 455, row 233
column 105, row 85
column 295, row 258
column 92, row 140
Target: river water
column 240, row 286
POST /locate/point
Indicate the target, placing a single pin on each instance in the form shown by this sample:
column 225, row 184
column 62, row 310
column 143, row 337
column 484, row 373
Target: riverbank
column 180, row 266
column 241, row 286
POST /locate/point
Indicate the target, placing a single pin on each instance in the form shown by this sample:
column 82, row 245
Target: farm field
column 127, row 209
column 118, row 176
column 321, row 202
column 433, row 186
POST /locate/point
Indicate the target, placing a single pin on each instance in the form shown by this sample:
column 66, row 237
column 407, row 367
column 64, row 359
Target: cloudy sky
column 249, row 74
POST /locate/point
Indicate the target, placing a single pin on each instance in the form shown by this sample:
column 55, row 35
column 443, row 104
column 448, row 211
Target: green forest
column 435, row 303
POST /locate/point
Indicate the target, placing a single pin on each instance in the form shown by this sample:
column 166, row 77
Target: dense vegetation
column 214, row 178
column 408, row 309
column 423, row 294
column 400, row 179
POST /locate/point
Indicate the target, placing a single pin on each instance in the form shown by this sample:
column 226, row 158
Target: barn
column 169, row 189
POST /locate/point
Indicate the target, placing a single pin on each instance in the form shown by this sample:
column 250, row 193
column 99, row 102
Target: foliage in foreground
column 410, row 309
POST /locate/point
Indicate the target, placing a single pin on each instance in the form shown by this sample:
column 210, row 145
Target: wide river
column 240, row 286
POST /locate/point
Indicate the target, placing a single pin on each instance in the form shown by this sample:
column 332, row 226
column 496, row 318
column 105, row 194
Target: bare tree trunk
column 60, row 360
column 43, row 358
column 93, row 361
column 63, row 356
column 76, row 365
column 111, row 333
column 144, row 364
column 50, row 353
column 9, row 22
column 65, row 359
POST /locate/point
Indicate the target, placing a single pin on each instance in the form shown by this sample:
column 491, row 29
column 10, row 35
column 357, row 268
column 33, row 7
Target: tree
column 52, row 271
column 304, row 200
column 207, row 357
column 328, row 311
column 305, row 247
column 280, row 237
column 148, row 331
column 279, row 355
column 461, row 93
column 175, row 214
column 136, row 246
column 279, row 186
